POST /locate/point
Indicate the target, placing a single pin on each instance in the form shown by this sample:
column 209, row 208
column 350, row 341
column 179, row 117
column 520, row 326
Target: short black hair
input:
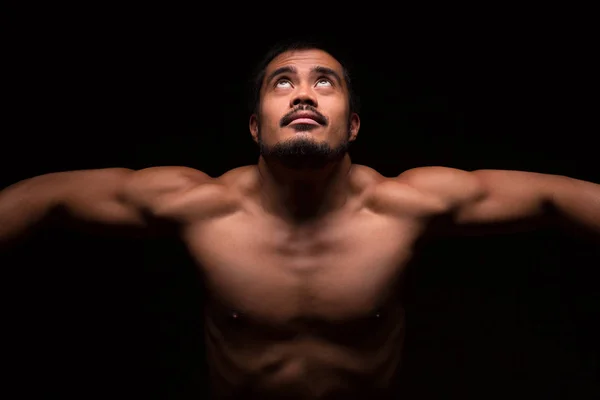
column 301, row 44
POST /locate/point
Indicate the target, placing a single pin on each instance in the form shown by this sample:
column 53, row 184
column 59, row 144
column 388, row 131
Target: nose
column 303, row 96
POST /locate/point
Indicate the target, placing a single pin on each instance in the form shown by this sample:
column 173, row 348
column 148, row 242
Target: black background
column 488, row 317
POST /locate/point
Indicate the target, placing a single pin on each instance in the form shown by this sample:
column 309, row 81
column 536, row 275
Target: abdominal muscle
column 316, row 361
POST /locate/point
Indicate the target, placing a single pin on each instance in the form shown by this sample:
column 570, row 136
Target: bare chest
column 344, row 269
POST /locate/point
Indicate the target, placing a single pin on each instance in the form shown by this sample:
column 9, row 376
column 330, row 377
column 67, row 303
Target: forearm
column 577, row 202
column 24, row 206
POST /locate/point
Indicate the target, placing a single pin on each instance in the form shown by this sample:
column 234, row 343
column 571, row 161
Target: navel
column 378, row 314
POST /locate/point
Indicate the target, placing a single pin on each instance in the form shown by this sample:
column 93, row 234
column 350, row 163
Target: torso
column 310, row 311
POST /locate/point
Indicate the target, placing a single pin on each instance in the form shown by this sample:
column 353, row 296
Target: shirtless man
column 302, row 254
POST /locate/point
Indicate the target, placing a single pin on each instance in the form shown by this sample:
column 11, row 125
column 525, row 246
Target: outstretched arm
column 116, row 198
column 497, row 199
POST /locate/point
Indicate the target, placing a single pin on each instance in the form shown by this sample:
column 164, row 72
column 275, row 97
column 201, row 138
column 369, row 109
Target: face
column 304, row 116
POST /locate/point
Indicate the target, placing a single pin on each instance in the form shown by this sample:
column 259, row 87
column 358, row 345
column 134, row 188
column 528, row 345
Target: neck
column 304, row 194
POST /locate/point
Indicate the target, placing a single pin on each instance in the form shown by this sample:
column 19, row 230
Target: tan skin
column 305, row 307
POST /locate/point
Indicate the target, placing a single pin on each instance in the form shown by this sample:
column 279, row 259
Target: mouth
column 305, row 121
column 305, row 118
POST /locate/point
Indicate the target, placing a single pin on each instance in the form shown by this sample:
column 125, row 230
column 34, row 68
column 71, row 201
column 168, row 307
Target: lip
column 305, row 118
column 304, row 121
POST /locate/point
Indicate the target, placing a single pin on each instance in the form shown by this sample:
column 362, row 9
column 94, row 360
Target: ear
column 254, row 127
column 354, row 126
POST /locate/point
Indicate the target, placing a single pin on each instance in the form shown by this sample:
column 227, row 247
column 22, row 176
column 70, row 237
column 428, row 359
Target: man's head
column 304, row 113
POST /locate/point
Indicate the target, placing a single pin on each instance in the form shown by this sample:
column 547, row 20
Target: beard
column 303, row 152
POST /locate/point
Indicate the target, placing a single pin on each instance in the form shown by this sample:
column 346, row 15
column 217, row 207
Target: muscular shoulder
column 451, row 186
column 425, row 191
column 177, row 192
column 166, row 179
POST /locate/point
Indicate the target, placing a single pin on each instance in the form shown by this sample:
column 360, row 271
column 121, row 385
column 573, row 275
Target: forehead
column 304, row 61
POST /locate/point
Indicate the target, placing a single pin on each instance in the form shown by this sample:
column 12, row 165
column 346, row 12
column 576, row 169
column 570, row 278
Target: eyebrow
column 318, row 69
column 329, row 72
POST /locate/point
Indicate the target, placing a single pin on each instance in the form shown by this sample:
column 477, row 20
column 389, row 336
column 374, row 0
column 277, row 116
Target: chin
column 304, row 127
column 305, row 138
column 303, row 150
column 302, row 134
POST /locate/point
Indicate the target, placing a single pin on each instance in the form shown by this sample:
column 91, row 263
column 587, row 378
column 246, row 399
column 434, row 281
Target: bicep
column 486, row 199
column 130, row 198
column 507, row 197
column 99, row 197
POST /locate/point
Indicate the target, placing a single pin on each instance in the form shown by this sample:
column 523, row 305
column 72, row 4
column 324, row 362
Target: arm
column 509, row 199
column 105, row 198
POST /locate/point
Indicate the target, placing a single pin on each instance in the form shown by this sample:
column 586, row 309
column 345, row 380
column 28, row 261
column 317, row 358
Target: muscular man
column 302, row 254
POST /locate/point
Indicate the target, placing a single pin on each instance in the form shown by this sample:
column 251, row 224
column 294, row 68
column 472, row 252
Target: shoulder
column 160, row 182
column 425, row 191
column 442, row 180
column 450, row 185
column 178, row 192
column 167, row 177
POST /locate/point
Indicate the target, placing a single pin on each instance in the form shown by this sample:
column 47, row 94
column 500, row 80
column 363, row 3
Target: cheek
column 268, row 124
column 335, row 106
column 271, row 114
column 340, row 118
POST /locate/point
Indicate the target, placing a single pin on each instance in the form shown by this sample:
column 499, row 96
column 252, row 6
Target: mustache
column 289, row 117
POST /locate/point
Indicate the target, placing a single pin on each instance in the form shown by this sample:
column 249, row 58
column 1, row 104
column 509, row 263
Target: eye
column 324, row 82
column 283, row 83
